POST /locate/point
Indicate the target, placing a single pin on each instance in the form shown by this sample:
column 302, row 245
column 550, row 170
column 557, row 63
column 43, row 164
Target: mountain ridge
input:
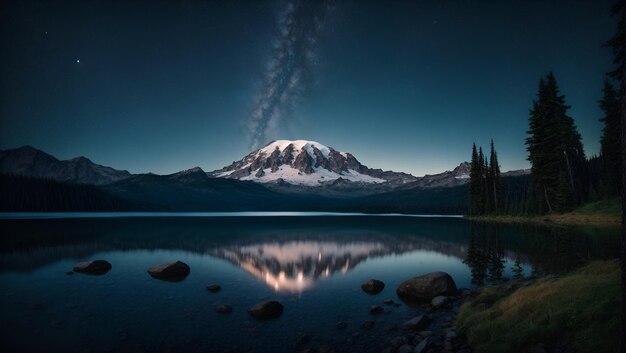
column 29, row 161
column 339, row 174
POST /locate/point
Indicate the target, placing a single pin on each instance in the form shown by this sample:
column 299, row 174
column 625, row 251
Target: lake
column 313, row 265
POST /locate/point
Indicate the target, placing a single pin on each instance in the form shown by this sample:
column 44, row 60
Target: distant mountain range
column 283, row 175
column 32, row 162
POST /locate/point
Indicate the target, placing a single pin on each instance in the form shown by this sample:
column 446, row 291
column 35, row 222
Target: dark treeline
column 562, row 177
column 485, row 183
column 26, row 194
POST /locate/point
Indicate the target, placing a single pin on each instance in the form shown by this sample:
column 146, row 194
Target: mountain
column 332, row 181
column 306, row 163
column 194, row 190
column 29, row 161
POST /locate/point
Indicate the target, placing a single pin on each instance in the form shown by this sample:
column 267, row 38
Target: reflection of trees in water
column 546, row 249
column 518, row 271
column 485, row 255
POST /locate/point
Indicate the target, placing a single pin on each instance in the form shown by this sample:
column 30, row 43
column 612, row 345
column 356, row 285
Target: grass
column 608, row 207
column 580, row 309
column 603, row 212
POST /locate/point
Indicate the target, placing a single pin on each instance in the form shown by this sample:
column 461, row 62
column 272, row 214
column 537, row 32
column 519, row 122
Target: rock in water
column 426, row 287
column 375, row 310
column 266, row 310
column 373, row 286
column 368, row 324
column 213, row 288
column 223, row 309
column 95, row 267
column 341, row 325
column 172, row 271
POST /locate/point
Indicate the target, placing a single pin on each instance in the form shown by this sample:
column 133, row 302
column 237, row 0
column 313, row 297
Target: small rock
column 418, row 323
column 425, row 333
column 172, row 271
column 69, row 273
column 397, row 341
column 223, row 309
column 266, row 310
column 405, row 349
column 439, row 301
column 213, row 288
column 95, row 267
column 304, row 339
column 375, row 310
column 421, row 347
column 368, row 324
column 388, row 301
column 373, row 286
column 341, row 325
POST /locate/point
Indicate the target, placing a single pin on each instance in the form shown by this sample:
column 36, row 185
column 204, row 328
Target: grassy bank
column 580, row 309
column 604, row 212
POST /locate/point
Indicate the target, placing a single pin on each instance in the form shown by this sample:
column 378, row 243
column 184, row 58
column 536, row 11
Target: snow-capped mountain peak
column 304, row 162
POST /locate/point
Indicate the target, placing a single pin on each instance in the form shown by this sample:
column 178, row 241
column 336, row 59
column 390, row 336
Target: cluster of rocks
column 178, row 271
column 432, row 332
column 437, row 296
column 426, row 341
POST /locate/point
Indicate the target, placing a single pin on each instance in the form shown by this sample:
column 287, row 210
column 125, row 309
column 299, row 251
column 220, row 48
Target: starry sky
column 163, row 86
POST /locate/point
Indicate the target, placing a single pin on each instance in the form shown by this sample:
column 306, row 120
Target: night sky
column 407, row 86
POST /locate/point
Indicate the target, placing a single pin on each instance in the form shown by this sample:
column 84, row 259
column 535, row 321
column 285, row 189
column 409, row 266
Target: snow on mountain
column 306, row 163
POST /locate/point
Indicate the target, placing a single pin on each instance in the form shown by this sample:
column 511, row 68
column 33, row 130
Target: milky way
column 299, row 27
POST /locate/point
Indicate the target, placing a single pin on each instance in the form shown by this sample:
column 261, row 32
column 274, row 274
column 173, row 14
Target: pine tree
column 474, row 182
column 618, row 44
column 494, row 184
column 554, row 146
column 610, row 141
column 483, row 183
column 564, row 198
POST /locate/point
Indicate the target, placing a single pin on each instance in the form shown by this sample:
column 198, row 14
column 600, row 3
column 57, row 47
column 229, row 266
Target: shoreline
column 567, row 219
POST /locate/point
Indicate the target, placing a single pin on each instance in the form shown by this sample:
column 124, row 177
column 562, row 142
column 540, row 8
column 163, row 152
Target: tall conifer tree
column 555, row 149
column 474, row 182
column 610, row 141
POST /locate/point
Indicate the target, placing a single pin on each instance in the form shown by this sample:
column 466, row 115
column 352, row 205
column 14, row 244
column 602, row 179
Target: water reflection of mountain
column 295, row 265
column 301, row 247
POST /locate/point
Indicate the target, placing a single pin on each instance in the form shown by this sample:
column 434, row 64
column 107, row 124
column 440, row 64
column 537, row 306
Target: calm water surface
column 314, row 265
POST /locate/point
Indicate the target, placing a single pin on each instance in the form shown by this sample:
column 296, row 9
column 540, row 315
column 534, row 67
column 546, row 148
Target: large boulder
column 172, row 271
column 266, row 310
column 95, row 267
column 426, row 287
column 373, row 286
